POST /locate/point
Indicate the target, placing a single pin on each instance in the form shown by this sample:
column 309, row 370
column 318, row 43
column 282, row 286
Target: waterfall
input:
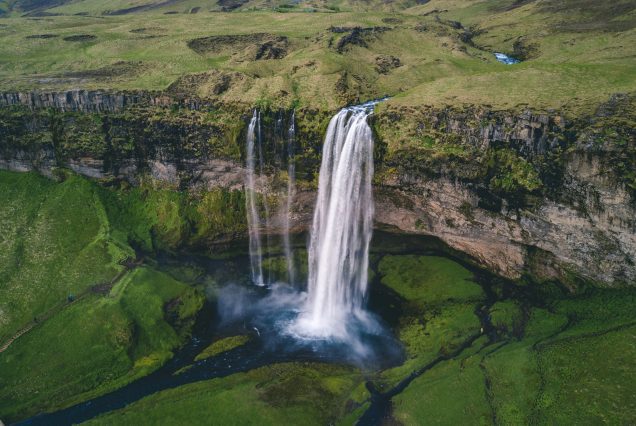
column 291, row 190
column 253, row 219
column 263, row 178
column 342, row 227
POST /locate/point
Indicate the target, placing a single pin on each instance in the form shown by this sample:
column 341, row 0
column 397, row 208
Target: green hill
column 575, row 54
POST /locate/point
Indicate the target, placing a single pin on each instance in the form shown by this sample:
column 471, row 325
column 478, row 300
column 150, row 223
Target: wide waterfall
column 341, row 229
column 253, row 219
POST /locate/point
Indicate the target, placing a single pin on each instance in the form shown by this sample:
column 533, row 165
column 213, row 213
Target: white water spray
column 342, row 228
column 253, row 219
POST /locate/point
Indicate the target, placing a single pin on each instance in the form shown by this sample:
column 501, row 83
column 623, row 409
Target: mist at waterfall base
column 270, row 313
column 330, row 316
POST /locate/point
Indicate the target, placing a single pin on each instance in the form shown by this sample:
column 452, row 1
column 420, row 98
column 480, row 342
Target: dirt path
column 102, row 288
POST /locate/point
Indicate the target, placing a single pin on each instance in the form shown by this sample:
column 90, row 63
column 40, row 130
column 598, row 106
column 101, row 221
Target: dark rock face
column 357, row 36
column 574, row 221
column 230, row 5
column 80, row 37
column 93, row 101
column 253, row 47
column 386, row 63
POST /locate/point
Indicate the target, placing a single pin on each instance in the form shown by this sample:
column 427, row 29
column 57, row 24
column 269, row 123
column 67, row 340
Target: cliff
column 522, row 193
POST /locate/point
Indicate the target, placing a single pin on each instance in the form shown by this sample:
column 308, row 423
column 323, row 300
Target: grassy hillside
column 575, row 55
column 74, row 321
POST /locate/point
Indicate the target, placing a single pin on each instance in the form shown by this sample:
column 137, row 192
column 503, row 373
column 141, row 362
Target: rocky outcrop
column 93, row 100
column 554, row 240
column 567, row 204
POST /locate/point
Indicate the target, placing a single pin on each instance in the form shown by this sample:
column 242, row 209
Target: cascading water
column 291, row 190
column 341, row 229
column 253, row 219
column 261, row 168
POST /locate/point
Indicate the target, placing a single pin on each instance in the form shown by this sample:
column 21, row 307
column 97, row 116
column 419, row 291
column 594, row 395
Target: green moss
column 589, row 380
column 219, row 213
column 56, row 240
column 163, row 218
column 60, row 243
column 311, row 394
column 222, row 345
column 512, row 173
column 276, row 266
column 512, row 371
column 450, row 393
column 506, row 317
column 429, row 279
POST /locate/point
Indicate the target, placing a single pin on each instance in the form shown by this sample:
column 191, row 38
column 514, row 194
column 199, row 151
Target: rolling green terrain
column 438, row 53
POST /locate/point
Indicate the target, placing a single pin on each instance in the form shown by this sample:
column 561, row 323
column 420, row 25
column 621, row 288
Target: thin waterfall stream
column 253, row 218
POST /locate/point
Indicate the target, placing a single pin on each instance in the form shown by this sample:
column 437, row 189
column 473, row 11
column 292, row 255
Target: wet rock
column 524, row 50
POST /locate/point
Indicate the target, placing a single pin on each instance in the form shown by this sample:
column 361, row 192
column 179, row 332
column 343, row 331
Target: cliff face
column 521, row 193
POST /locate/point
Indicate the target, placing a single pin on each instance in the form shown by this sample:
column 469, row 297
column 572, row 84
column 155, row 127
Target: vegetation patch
column 222, row 345
column 96, row 345
column 429, row 280
column 293, row 393
column 253, row 46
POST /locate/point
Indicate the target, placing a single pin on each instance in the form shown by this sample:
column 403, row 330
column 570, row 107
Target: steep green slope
column 96, row 344
column 74, row 321
column 55, row 243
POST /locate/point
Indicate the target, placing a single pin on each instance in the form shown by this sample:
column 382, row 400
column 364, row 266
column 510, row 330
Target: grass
column 222, row 345
column 590, row 380
column 305, row 393
column 42, row 263
column 440, row 312
column 428, row 280
column 572, row 68
column 568, row 359
column 96, row 345
column 571, row 363
column 60, row 240
column 427, row 400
